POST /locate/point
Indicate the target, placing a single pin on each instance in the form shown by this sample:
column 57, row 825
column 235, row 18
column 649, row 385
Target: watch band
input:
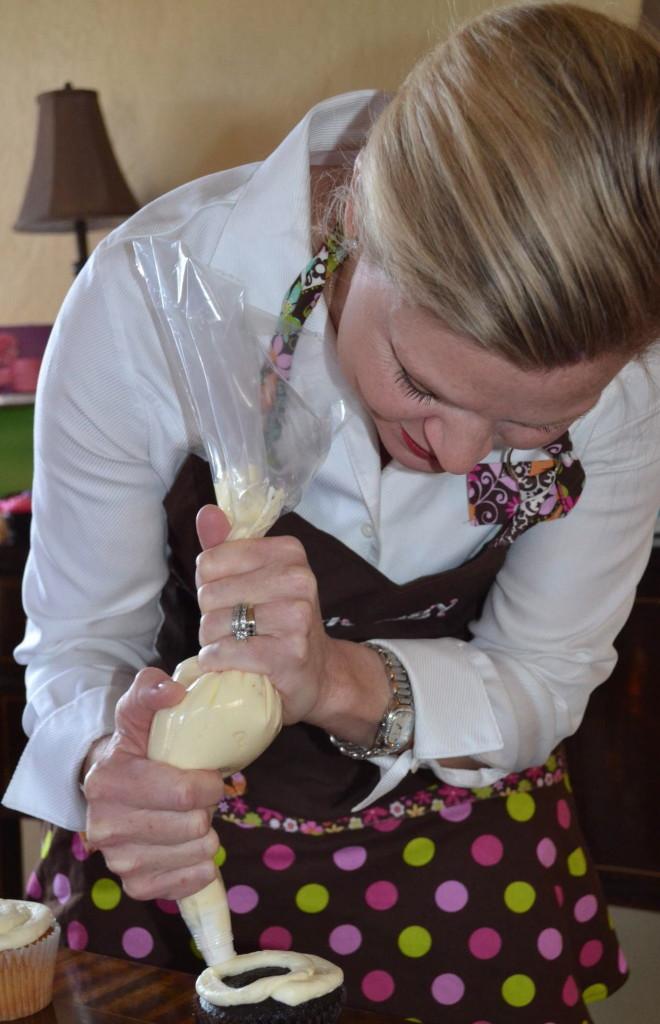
column 401, row 706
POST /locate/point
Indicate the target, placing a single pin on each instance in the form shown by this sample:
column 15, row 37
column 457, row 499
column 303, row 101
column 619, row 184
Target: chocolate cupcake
column 29, row 938
column 270, row 987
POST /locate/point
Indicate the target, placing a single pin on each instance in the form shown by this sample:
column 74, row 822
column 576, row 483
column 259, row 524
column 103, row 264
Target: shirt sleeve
column 545, row 637
column 97, row 562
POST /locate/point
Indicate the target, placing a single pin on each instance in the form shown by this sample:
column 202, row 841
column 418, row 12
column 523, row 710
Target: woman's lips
column 416, row 449
column 421, row 453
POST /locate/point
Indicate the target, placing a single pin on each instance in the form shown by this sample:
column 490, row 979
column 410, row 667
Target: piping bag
column 264, row 429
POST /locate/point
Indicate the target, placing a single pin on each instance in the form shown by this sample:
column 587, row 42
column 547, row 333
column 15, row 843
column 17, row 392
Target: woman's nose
column 458, row 442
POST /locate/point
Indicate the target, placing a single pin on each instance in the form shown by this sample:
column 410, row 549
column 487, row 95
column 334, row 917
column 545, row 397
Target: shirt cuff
column 46, row 782
column 453, row 715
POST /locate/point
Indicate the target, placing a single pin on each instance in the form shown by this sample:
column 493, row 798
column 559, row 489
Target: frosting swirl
column 308, row 978
column 22, row 922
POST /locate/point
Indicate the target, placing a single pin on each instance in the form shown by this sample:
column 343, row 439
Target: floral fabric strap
column 301, row 299
column 450, row 802
column 518, row 495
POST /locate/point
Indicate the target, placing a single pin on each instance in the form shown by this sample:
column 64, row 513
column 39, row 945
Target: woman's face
column 438, row 401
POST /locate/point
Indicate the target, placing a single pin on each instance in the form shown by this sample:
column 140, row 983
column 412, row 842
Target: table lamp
column 75, row 182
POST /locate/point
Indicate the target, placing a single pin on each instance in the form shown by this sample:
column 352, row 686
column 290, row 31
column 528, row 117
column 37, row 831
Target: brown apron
column 439, row 903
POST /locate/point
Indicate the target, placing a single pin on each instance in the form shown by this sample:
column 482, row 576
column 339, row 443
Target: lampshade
column 75, row 176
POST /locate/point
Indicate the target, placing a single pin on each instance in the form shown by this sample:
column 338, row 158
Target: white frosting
column 22, row 922
column 310, row 977
column 253, row 508
column 224, row 722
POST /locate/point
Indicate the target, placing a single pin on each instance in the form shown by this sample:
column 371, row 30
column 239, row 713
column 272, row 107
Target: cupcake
column 270, row 987
column 29, row 937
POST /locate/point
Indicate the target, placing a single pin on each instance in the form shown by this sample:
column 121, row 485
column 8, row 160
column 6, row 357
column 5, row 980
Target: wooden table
column 93, row 989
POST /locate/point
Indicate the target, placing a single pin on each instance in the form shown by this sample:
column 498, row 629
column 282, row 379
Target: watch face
column 400, row 728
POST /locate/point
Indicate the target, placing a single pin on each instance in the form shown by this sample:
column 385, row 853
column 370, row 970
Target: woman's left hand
column 291, row 646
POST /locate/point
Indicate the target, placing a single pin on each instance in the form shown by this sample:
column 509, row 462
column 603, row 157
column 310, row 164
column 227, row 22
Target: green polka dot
column 220, row 856
column 252, row 819
column 568, row 783
column 520, row 806
column 106, row 894
column 194, row 949
column 551, row 763
column 46, row 843
column 577, row 862
column 518, row 990
column 312, row 898
column 594, row 993
column 419, row 852
column 414, row 941
column 519, row 897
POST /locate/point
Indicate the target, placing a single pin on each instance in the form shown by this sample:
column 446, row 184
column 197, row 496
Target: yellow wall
column 187, row 87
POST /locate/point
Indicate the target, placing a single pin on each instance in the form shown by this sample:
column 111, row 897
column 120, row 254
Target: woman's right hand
column 152, row 822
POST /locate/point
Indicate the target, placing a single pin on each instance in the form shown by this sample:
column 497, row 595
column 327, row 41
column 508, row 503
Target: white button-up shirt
column 110, row 437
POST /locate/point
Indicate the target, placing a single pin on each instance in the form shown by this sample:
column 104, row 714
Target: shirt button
column 367, row 530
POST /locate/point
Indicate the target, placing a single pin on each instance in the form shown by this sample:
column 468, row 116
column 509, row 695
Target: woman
column 482, row 518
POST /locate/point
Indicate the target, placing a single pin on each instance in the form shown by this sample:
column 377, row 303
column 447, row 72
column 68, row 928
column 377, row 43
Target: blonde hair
column 511, row 186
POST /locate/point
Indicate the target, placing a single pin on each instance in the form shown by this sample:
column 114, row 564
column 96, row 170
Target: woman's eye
column 411, row 390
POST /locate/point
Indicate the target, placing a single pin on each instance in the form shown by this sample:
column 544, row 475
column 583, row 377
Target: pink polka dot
column 487, row 850
column 546, row 851
column 350, row 858
column 622, row 963
column 559, row 895
column 451, row 896
column 550, row 943
column 570, row 993
column 485, row 943
column 447, row 989
column 33, row 888
column 137, row 942
column 387, row 825
column 76, row 935
column 585, row 908
column 276, row 937
column 278, row 857
column 377, row 986
column 591, row 953
column 457, row 812
column 563, row 814
column 61, row 888
column 78, row 848
column 381, row 895
column 242, row 898
column 345, row 939
column 168, row 906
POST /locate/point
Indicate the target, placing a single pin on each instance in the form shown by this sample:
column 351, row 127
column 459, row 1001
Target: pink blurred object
column 8, row 353
column 16, row 504
column 21, row 351
column 25, row 374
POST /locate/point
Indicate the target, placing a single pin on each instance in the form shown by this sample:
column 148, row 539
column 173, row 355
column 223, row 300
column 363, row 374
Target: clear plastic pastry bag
column 264, row 435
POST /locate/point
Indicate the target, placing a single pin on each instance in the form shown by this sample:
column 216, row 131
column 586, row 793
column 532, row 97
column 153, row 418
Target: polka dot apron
column 442, row 904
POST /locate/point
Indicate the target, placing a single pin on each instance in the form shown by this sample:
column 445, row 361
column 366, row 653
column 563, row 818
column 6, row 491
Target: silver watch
column 397, row 725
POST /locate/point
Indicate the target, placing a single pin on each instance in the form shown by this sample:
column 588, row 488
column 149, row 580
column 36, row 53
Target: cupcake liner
column 26, row 976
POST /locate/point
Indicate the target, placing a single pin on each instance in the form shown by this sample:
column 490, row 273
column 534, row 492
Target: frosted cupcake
column 29, row 937
column 270, row 987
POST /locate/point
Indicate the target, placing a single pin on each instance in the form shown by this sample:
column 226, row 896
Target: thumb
column 151, row 690
column 213, row 527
